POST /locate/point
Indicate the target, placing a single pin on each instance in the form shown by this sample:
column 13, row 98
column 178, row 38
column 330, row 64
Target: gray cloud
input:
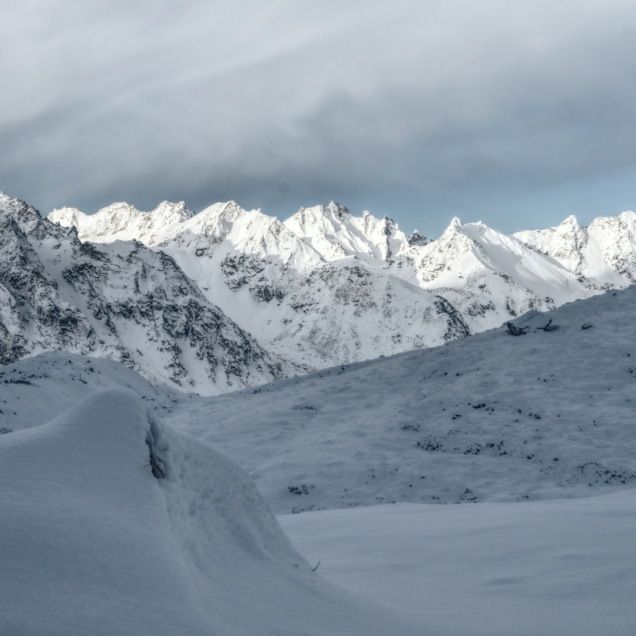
column 420, row 109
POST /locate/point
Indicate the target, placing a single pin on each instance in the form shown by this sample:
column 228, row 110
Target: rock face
column 119, row 300
column 326, row 287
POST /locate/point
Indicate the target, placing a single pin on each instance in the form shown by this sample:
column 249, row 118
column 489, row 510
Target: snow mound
column 36, row 389
column 112, row 523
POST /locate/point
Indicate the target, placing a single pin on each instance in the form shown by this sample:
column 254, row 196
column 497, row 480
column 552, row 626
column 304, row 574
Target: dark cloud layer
column 518, row 113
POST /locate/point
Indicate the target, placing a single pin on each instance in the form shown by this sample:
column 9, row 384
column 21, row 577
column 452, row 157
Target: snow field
column 39, row 388
column 113, row 523
column 564, row 568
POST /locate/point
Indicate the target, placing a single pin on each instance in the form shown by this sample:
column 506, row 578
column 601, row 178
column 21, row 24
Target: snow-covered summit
column 335, row 233
column 226, row 227
column 603, row 254
column 488, row 276
column 123, row 222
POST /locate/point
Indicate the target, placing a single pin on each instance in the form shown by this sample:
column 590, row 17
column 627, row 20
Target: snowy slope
column 113, row 523
column 564, row 568
column 38, row 388
column 121, row 301
column 487, row 418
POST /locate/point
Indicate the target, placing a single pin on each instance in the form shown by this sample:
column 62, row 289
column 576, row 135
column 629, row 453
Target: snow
column 113, row 523
column 123, row 301
column 118, row 516
column 604, row 252
column 39, row 388
column 123, row 222
column 564, row 568
column 491, row 417
column 335, row 233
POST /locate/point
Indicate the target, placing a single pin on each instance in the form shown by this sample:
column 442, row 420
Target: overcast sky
column 514, row 113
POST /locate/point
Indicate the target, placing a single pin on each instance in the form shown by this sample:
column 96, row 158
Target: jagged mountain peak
column 228, row 210
column 336, row 209
column 10, row 206
column 335, row 234
column 417, row 240
column 570, row 221
column 602, row 255
column 226, row 229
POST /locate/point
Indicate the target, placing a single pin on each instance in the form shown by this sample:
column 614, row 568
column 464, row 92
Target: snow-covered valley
column 481, row 486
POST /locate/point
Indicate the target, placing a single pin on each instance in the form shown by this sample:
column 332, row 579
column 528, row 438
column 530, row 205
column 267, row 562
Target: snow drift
column 111, row 523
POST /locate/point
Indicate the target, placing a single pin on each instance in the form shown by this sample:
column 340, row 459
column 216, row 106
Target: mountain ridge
column 229, row 298
column 486, row 277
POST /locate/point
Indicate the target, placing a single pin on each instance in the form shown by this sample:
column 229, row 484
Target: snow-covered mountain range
column 228, row 298
column 170, row 536
column 326, row 287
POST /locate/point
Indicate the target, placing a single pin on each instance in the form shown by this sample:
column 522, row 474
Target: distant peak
column 455, row 225
column 417, row 240
column 167, row 205
column 336, row 209
column 66, row 217
column 12, row 206
column 571, row 220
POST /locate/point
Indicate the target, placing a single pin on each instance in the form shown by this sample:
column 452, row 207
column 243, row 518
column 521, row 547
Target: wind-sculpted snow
column 119, row 300
column 289, row 284
column 492, row 417
column 114, row 523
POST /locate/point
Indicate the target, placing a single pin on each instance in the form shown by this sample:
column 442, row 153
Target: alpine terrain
column 119, row 300
column 326, row 287
column 111, row 484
